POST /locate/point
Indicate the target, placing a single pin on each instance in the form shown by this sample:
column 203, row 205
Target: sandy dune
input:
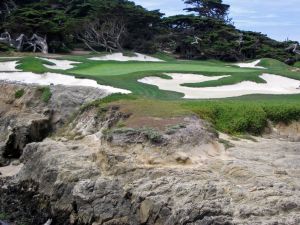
column 60, row 64
column 56, row 79
column 274, row 85
column 120, row 57
column 250, row 65
column 9, row 66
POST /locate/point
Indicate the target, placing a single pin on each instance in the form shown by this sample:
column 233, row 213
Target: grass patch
column 19, row 93
column 45, row 94
column 3, row 216
column 235, row 117
column 246, row 116
column 231, row 117
column 123, row 68
column 33, row 64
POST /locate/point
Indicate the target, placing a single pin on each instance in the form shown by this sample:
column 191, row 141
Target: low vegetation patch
column 19, row 93
column 33, row 64
column 5, row 48
column 297, row 64
column 46, row 94
column 237, row 117
column 231, row 117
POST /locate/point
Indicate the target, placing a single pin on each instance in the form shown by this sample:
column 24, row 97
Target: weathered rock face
column 95, row 172
column 28, row 119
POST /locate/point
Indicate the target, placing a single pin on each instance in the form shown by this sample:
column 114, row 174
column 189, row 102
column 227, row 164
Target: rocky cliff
column 80, row 165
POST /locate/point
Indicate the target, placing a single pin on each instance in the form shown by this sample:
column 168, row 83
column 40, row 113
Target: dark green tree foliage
column 43, row 19
column 207, row 33
column 194, row 37
column 61, row 20
column 141, row 25
column 208, row 9
column 203, row 38
column 6, row 8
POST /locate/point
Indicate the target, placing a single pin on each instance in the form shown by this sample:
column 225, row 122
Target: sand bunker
column 9, row 66
column 56, row 79
column 59, row 64
column 120, row 57
column 275, row 85
column 250, row 65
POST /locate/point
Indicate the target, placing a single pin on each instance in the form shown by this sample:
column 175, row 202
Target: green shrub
column 46, row 94
column 232, row 117
column 282, row 112
column 152, row 135
column 19, row 93
column 3, row 216
column 5, row 48
column 238, row 117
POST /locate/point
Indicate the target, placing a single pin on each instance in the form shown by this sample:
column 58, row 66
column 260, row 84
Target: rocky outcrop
column 27, row 118
column 96, row 171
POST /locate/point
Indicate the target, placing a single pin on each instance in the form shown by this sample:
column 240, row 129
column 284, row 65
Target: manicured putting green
column 113, row 69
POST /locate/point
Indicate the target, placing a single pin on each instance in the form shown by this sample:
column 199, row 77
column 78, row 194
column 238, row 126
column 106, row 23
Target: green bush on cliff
column 237, row 117
column 19, row 93
column 231, row 117
column 46, row 94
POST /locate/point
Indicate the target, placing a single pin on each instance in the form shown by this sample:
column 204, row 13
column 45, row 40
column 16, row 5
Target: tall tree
column 6, row 8
column 209, row 9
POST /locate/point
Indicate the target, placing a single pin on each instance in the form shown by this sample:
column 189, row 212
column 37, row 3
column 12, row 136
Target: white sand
column 251, row 65
column 56, row 79
column 59, row 64
column 9, row 66
column 275, row 85
column 120, row 57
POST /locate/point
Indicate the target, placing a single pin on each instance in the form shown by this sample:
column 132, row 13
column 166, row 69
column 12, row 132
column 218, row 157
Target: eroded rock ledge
column 95, row 171
column 27, row 118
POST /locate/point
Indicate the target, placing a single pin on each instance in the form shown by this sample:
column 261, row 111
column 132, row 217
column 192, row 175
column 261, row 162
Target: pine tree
column 209, row 9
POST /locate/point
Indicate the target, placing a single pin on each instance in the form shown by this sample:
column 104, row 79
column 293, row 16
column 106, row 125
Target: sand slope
column 9, row 66
column 251, row 65
column 120, row 57
column 56, row 79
